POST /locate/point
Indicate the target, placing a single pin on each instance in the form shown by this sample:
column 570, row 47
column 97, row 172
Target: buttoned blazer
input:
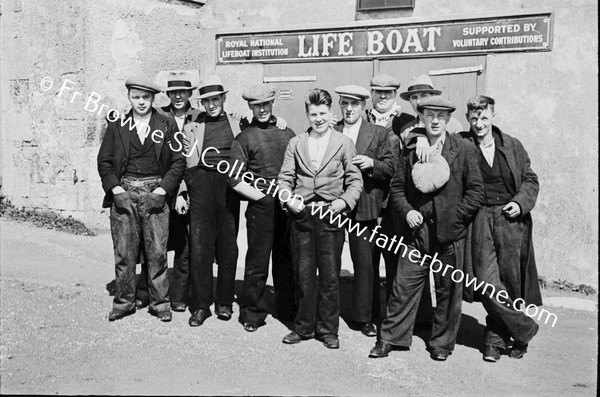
column 456, row 203
column 336, row 178
column 372, row 141
column 113, row 155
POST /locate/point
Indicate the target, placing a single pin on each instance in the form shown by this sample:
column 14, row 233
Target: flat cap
column 142, row 83
column 435, row 102
column 353, row 91
column 384, row 82
column 259, row 93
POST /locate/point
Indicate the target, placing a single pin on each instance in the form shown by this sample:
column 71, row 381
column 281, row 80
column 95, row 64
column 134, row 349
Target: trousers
column 139, row 220
column 497, row 257
column 316, row 246
column 214, row 223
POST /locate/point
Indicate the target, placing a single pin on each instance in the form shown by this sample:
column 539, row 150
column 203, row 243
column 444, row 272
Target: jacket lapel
column 155, row 124
column 125, row 132
column 509, row 155
column 334, row 145
column 449, row 151
column 303, row 151
column 365, row 136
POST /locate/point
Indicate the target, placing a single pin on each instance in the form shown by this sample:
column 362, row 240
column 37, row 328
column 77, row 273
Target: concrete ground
column 55, row 338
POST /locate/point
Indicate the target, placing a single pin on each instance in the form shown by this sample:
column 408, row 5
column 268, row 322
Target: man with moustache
column 179, row 90
column 214, row 207
column 318, row 171
column 436, row 212
column 376, row 162
column 259, row 149
column 502, row 232
column 139, row 173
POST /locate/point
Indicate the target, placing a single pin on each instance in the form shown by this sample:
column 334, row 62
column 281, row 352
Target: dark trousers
column 179, row 284
column 267, row 229
column 397, row 328
column 214, row 222
column 497, row 260
column 390, row 227
column 139, row 219
column 179, row 290
column 316, row 245
column 365, row 293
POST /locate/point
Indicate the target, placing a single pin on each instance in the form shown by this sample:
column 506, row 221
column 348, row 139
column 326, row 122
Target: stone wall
column 50, row 141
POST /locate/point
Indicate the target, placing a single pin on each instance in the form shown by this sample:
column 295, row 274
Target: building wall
column 50, row 141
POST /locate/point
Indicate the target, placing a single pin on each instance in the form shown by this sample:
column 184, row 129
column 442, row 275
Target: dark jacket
column 114, row 153
column 527, row 187
column 373, row 142
column 455, row 203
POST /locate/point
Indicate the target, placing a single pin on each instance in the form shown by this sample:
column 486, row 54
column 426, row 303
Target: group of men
column 174, row 178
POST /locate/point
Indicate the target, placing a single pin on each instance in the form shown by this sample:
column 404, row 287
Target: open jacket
column 336, row 178
column 373, row 142
column 113, row 155
column 456, row 203
column 527, row 188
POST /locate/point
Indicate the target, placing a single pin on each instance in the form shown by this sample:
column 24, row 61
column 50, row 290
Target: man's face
column 214, row 105
column 141, row 101
column 351, row 109
column 435, row 121
column 383, row 100
column 179, row 98
column 414, row 98
column 481, row 121
column 262, row 111
column 319, row 118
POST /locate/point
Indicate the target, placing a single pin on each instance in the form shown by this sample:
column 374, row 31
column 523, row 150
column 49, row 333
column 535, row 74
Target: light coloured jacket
column 336, row 178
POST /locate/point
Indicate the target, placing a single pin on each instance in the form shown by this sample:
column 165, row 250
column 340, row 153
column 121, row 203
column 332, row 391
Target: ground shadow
column 470, row 333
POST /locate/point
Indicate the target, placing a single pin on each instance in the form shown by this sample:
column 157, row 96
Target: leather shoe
column 199, row 317
column 518, row 350
column 165, row 316
column 178, row 306
column 329, row 341
column 292, row 338
column 491, row 354
column 381, row 349
column 141, row 303
column 368, row 329
column 224, row 312
column 439, row 354
column 116, row 314
column 250, row 327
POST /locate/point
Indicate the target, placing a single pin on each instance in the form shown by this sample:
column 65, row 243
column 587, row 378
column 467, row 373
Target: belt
column 318, row 203
column 139, row 182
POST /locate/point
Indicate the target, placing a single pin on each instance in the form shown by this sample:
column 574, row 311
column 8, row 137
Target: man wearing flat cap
column 213, row 206
column 179, row 90
column 386, row 112
column 436, row 213
column 258, row 152
column 139, row 173
column 376, row 162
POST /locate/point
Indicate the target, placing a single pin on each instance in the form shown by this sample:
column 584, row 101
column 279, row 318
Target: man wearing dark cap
column 386, row 112
column 139, row 173
column 376, row 162
column 436, row 212
column 502, row 232
column 214, row 207
column 179, row 90
column 259, row 150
